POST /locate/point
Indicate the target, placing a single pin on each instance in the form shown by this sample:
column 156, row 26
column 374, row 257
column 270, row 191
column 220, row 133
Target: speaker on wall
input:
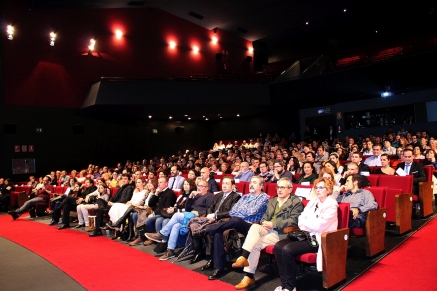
column 179, row 130
column 10, row 128
column 218, row 56
column 78, row 129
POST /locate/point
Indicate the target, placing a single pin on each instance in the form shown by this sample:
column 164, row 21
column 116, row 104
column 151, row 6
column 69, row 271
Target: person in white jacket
column 320, row 215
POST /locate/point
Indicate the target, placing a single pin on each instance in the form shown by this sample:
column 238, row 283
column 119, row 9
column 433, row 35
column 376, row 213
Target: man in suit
column 176, row 181
column 357, row 158
column 123, row 195
column 219, row 209
column 412, row 168
column 212, row 184
column 70, row 203
column 249, row 209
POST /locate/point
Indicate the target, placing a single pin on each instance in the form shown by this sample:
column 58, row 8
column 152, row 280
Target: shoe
column 196, row 258
column 245, row 283
column 157, row 236
column 10, row 212
column 113, row 226
column 241, row 262
column 64, row 226
column 148, row 242
column 89, row 228
column 137, row 241
column 93, row 234
column 79, row 226
column 207, row 266
column 168, row 255
column 104, row 227
column 216, row 274
column 15, row 215
column 53, row 223
column 199, row 232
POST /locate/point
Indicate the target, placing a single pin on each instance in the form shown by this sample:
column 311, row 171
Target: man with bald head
column 244, row 174
column 212, row 184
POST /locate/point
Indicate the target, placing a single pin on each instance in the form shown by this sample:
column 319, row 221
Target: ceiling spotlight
column 344, row 10
column 170, row 117
column 52, row 38
column 376, row 31
column 238, row 115
column 118, row 34
column 92, row 44
column 189, row 118
column 195, row 49
column 206, row 118
column 10, row 32
column 214, row 40
column 185, row 115
column 172, row 44
column 150, row 116
column 221, row 116
column 306, row 23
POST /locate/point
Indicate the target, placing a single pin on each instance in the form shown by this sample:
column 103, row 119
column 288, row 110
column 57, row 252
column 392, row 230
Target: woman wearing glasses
column 320, row 215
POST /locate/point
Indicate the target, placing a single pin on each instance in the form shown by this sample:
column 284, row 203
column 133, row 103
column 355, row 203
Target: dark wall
column 60, row 76
column 103, row 141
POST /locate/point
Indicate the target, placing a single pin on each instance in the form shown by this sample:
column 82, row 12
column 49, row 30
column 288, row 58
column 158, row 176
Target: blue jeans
column 171, row 230
column 154, row 223
column 29, row 203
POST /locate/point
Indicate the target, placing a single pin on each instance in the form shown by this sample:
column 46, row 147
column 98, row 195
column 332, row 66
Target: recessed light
column 170, row 117
column 306, row 23
column 150, row 116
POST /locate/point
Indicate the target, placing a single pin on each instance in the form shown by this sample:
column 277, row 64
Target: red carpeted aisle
column 101, row 264
column 412, row 266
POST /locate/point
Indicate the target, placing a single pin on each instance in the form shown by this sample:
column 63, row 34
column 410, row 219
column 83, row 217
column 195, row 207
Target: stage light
column 172, row 44
column 52, row 38
column 195, row 49
column 386, row 94
column 118, row 34
column 92, row 44
column 10, row 32
column 214, row 40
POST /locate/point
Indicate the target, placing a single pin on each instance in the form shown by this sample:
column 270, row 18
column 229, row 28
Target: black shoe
column 64, row 226
column 79, row 226
column 216, row 274
column 199, row 232
column 207, row 266
column 15, row 215
column 53, row 223
column 93, row 234
column 196, row 258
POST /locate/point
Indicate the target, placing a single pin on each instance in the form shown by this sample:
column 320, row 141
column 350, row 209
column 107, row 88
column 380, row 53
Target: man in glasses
column 282, row 211
column 249, row 209
column 280, row 172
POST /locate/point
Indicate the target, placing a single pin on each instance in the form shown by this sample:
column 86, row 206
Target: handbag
column 302, row 235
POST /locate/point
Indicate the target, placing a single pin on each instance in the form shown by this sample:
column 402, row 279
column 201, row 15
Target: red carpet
column 101, row 264
column 412, row 266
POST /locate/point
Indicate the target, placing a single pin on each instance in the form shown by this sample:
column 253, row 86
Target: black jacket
column 165, row 199
column 123, row 195
column 226, row 206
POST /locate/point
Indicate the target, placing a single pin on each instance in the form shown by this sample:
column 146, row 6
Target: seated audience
column 309, row 174
column 90, row 203
column 375, row 159
column 385, row 169
column 360, row 200
column 280, row 172
column 244, row 174
column 282, row 211
column 320, row 215
column 430, row 158
column 413, row 168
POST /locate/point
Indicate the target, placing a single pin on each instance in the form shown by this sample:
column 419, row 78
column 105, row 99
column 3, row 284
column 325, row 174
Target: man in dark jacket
column 282, row 211
column 123, row 195
column 70, row 203
column 219, row 209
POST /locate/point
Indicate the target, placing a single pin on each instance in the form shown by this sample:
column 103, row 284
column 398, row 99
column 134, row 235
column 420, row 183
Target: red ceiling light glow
column 250, row 50
column 92, row 44
column 195, row 49
column 214, row 39
column 172, row 44
column 118, row 34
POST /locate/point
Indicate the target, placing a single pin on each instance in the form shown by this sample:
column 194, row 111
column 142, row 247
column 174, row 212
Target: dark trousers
column 99, row 216
column 285, row 251
column 66, row 206
column 216, row 230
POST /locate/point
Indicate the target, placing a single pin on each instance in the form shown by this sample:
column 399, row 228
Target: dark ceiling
column 315, row 27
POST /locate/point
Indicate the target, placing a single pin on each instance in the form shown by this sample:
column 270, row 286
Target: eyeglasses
column 282, row 188
column 319, row 188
